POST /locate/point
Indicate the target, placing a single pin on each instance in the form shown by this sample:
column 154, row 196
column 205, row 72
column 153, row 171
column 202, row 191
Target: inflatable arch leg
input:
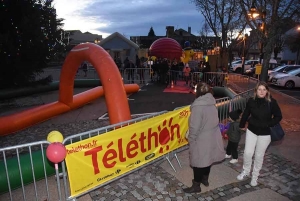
column 114, row 91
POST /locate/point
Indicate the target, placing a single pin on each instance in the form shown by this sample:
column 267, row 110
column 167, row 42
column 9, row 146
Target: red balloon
column 56, row 152
column 166, row 48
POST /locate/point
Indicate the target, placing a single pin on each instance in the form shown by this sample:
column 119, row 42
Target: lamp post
column 243, row 57
column 253, row 13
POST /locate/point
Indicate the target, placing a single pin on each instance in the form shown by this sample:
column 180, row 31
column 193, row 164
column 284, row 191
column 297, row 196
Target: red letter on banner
column 94, row 152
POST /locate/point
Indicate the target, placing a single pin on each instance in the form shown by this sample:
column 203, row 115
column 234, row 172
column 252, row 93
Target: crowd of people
column 163, row 71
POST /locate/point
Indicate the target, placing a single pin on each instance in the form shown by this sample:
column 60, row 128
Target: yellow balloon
column 55, row 136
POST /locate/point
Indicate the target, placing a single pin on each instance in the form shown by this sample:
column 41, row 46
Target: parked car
column 237, row 68
column 234, row 62
column 281, row 69
column 289, row 79
column 251, row 71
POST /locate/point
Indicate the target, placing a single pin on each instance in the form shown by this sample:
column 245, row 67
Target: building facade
column 202, row 45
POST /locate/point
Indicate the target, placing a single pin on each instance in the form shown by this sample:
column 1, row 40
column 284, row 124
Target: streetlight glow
column 253, row 13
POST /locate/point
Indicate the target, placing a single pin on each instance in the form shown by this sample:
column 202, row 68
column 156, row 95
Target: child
column 234, row 135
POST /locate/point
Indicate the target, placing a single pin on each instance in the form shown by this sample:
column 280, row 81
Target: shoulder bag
column 277, row 132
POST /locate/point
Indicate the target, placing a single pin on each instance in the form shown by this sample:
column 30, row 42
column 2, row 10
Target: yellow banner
column 99, row 159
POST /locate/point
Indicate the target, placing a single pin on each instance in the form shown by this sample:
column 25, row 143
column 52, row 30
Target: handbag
column 277, row 132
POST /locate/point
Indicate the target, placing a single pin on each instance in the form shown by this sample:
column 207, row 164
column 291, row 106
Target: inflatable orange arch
column 112, row 86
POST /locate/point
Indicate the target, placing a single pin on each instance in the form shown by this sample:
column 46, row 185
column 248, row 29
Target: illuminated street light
column 244, row 38
column 253, row 14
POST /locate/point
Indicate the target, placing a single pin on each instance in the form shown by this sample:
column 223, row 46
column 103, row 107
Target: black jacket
column 234, row 132
column 263, row 115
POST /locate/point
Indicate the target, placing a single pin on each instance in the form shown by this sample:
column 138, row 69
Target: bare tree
column 270, row 24
column 205, row 40
column 221, row 16
column 292, row 41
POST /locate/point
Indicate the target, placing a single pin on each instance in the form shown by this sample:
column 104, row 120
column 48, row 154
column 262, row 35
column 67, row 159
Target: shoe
column 227, row 156
column 253, row 181
column 195, row 188
column 233, row 161
column 242, row 176
column 204, row 180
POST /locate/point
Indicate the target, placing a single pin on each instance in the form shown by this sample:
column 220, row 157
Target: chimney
column 170, row 31
column 190, row 30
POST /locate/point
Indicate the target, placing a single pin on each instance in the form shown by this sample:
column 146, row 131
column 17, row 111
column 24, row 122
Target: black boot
column 195, row 188
column 204, row 180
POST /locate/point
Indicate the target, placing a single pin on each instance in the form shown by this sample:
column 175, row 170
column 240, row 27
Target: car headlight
column 281, row 78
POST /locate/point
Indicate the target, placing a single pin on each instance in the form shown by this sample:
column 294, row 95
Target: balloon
column 55, row 136
column 227, row 126
column 56, row 152
column 153, row 58
column 225, row 136
column 222, row 127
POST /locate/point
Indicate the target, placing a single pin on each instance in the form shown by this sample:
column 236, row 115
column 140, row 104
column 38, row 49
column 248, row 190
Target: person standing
column 174, row 71
column 130, row 68
column 205, row 139
column 85, row 68
column 186, row 73
column 261, row 112
column 234, row 135
column 140, row 69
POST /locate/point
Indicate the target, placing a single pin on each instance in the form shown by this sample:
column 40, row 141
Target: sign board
column 258, row 68
column 101, row 158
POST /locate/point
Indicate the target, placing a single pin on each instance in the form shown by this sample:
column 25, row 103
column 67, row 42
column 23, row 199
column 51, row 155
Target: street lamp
column 244, row 38
column 253, row 13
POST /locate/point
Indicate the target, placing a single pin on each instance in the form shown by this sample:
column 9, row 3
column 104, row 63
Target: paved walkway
column 280, row 179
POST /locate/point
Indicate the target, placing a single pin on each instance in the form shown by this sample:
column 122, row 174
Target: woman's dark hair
column 202, row 89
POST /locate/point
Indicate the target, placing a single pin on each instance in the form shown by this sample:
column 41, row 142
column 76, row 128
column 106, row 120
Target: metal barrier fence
column 211, row 78
column 129, row 75
column 26, row 174
column 147, row 75
column 44, row 185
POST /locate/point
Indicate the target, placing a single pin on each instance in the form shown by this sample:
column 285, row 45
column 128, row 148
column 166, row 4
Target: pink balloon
column 56, row 152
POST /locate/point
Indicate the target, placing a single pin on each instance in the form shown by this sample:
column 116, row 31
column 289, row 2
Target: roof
column 117, row 34
column 77, row 36
column 183, row 32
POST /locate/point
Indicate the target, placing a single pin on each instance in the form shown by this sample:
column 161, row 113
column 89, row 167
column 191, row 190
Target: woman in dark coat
column 205, row 140
column 261, row 112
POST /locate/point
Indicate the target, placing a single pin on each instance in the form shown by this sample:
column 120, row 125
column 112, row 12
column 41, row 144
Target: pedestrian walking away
column 205, row 140
column 261, row 112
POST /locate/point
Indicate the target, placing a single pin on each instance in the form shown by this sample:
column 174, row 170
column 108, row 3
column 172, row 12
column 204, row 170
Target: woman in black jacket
column 261, row 112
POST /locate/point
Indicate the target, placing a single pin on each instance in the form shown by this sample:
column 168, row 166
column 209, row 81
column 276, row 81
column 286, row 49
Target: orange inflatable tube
column 112, row 87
